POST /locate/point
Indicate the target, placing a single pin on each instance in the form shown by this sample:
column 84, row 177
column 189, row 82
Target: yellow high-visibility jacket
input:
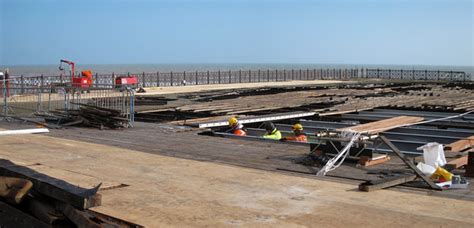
column 275, row 135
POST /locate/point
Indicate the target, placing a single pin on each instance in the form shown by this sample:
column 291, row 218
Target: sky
column 414, row 32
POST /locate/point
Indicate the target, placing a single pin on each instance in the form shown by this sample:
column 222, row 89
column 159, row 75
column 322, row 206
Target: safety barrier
column 21, row 101
column 245, row 76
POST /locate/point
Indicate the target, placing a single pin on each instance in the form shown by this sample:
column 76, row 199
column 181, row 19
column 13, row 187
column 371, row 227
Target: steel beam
column 273, row 117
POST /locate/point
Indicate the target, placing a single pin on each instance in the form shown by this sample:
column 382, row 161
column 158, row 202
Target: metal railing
column 19, row 100
column 161, row 79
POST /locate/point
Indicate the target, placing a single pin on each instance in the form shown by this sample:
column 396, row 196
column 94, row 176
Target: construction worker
column 272, row 131
column 299, row 135
column 236, row 127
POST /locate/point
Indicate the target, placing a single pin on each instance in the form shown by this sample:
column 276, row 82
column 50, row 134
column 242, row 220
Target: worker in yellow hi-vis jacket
column 272, row 131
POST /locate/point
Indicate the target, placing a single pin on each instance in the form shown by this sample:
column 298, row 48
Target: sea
column 49, row 70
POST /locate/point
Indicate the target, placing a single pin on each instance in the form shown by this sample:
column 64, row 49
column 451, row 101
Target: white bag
column 426, row 169
column 433, row 154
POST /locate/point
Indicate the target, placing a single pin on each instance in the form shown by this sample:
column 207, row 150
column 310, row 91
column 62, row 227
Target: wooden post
column 61, row 78
column 96, row 78
column 144, row 79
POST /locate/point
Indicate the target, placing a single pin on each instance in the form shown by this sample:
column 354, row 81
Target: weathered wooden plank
column 385, row 183
column 456, row 163
column 461, row 144
column 383, row 125
column 58, row 189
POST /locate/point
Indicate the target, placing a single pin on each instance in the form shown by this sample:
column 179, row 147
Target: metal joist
column 273, row 117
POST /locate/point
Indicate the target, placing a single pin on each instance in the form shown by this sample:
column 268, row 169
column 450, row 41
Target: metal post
column 413, row 74
column 219, row 77
column 196, row 78
column 426, row 75
column 258, row 75
column 5, row 100
column 250, row 76
column 230, row 76
column 184, row 76
column 157, row 79
column 284, row 75
column 268, row 75
column 143, row 77
column 22, row 80
column 171, row 78
column 300, row 74
column 208, row 77
column 113, row 79
column 276, row 75
column 240, row 76
column 389, row 74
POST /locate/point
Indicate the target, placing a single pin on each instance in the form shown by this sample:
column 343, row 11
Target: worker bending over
column 298, row 136
column 272, row 132
column 236, row 127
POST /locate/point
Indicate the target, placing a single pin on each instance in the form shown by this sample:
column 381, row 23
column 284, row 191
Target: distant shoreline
column 36, row 70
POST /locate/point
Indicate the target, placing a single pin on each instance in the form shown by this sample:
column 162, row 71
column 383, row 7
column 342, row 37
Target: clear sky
column 237, row 31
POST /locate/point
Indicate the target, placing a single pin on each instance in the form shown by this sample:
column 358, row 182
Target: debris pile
column 32, row 199
column 91, row 116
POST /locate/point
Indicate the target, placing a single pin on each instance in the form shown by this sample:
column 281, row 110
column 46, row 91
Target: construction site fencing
column 19, row 100
column 242, row 76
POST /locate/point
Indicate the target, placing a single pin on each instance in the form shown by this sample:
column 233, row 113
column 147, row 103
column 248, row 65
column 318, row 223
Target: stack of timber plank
column 462, row 145
column 92, row 116
column 33, row 199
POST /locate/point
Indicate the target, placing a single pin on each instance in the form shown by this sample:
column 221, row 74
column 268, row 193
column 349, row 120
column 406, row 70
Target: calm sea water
column 34, row 70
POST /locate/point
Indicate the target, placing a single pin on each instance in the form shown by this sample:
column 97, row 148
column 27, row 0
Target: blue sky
column 237, row 31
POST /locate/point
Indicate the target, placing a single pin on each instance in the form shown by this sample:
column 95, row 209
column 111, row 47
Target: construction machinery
column 83, row 81
column 130, row 81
